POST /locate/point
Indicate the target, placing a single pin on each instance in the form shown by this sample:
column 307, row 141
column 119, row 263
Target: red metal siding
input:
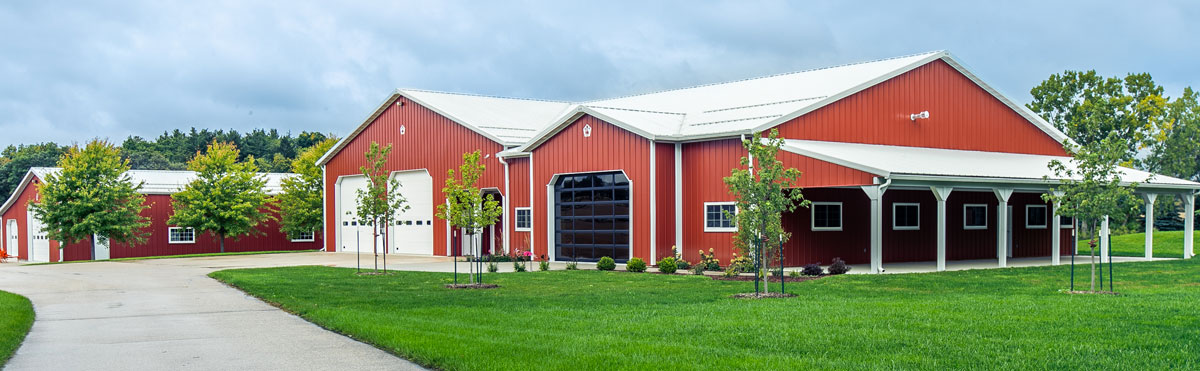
column 962, row 116
column 852, row 243
column 19, row 212
column 608, row 148
column 817, row 173
column 705, row 165
column 664, row 169
column 518, row 177
column 431, row 141
column 159, row 210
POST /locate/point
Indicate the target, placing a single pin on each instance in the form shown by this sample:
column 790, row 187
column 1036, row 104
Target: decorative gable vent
column 587, row 130
column 401, row 129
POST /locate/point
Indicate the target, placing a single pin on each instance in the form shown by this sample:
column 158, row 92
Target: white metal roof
column 899, row 162
column 172, row 181
column 511, row 120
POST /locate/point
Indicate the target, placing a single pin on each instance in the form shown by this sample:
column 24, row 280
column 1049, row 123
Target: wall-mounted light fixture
column 922, row 115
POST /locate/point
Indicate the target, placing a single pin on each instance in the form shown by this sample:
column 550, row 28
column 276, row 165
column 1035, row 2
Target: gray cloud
column 71, row 71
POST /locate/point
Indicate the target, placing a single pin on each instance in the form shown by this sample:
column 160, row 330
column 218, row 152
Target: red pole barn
column 906, row 159
column 25, row 239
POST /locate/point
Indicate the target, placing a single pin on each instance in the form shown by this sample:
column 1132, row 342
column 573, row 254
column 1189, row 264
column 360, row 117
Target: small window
column 407, row 222
column 1035, row 216
column 305, row 237
column 524, row 219
column 419, row 222
column 975, row 216
column 906, row 216
column 826, row 216
column 181, row 235
column 718, row 217
column 1066, row 222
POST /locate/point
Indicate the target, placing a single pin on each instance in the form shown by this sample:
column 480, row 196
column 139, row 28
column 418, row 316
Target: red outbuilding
column 25, row 239
column 905, row 159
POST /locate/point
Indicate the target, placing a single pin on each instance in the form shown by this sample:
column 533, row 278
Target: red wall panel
column 705, row 165
column 518, row 173
column 962, row 116
column 159, row 210
column 19, row 211
column 608, row 148
column 430, row 141
column 664, row 175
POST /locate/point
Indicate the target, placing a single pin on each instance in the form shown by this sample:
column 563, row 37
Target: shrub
column 667, row 265
column 794, row 274
column 813, row 269
column 731, row 272
column 682, row 264
column 741, row 263
column 838, row 267
column 572, row 266
column 635, row 265
column 518, row 265
column 492, row 267
column 543, row 265
column 698, row 269
column 708, row 261
column 606, row 264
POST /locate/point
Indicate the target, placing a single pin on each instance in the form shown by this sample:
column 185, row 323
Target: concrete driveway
column 167, row 314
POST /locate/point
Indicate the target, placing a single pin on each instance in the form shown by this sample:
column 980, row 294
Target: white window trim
column 517, row 217
column 985, row 217
column 1064, row 225
column 170, row 229
column 310, row 239
column 813, row 217
column 1045, row 212
column 704, row 217
column 906, row 228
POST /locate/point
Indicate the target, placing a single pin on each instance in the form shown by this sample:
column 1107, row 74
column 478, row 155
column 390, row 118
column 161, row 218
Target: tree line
column 272, row 152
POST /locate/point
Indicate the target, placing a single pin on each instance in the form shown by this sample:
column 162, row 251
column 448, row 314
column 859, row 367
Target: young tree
column 1091, row 187
column 381, row 199
column 227, row 197
column 764, row 190
column 469, row 208
column 92, row 195
column 300, row 204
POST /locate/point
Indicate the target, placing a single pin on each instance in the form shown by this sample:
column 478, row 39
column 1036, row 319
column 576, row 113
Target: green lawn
column 14, row 323
column 992, row 319
column 179, row 256
column 1166, row 244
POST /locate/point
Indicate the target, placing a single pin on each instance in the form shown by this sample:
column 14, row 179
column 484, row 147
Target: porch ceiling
column 934, row 165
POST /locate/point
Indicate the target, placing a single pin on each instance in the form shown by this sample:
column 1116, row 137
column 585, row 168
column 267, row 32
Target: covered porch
column 943, row 209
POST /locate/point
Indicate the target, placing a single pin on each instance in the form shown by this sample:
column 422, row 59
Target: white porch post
column 1150, row 197
column 1189, row 220
column 1002, row 195
column 1055, row 235
column 1104, row 239
column 875, row 193
column 941, row 194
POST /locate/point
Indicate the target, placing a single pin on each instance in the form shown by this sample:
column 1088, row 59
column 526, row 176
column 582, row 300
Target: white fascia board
column 848, row 92
column 929, row 179
column 12, row 199
column 570, row 117
column 836, row 160
column 1033, row 118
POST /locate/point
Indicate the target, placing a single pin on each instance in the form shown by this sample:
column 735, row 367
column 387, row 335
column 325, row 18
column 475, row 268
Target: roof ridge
column 766, row 76
column 486, row 96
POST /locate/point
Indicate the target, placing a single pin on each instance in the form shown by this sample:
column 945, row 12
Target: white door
column 1008, row 231
column 13, row 239
column 352, row 231
column 39, row 244
column 102, row 245
column 412, row 230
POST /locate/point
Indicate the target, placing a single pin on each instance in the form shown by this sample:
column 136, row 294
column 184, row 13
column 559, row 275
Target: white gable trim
column 12, row 199
column 574, row 115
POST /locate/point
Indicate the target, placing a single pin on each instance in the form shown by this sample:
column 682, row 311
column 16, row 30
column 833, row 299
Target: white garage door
column 353, row 233
column 39, row 244
column 412, row 232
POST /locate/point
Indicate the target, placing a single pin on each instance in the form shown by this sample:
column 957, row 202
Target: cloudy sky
column 76, row 70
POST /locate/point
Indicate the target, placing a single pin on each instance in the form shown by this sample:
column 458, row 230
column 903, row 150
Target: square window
column 181, row 235
column 906, row 216
column 1066, row 222
column 826, row 216
column 975, row 216
column 524, row 218
column 718, row 217
column 1035, row 216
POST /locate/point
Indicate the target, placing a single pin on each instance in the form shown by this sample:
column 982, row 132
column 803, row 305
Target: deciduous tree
column 380, row 200
column 468, row 207
column 300, row 206
column 228, row 197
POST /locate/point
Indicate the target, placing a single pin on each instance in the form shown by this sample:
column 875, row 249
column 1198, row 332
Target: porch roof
column 948, row 165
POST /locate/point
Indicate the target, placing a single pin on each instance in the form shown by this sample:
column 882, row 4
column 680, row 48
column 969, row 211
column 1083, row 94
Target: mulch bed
column 472, row 286
column 772, row 279
column 1094, row 292
column 769, row 295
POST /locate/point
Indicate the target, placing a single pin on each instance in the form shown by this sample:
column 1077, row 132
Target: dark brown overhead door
column 591, row 217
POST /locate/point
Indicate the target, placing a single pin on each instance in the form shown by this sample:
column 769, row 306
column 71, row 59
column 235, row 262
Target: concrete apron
column 167, row 314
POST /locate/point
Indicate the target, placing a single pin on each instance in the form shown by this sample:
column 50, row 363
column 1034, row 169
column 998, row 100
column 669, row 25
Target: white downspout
column 507, row 204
